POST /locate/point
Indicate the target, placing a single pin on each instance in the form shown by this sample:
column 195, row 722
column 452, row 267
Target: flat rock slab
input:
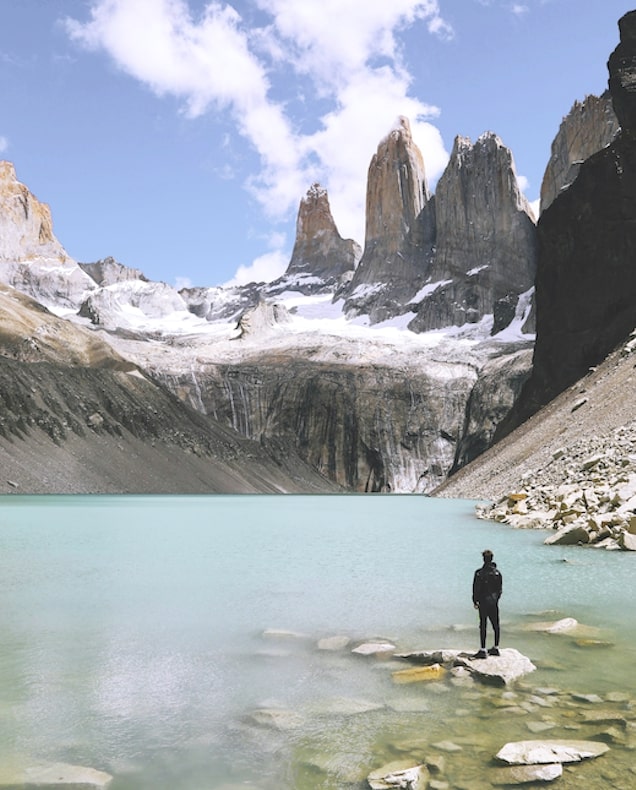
column 72, row 777
column 527, row 774
column 550, row 751
column 499, row 670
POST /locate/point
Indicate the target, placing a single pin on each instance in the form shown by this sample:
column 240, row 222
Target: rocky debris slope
column 485, row 255
column 586, row 280
column 596, row 502
column 590, row 125
column 569, row 468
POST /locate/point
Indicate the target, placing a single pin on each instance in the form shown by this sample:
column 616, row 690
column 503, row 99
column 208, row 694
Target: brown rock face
column 587, row 128
column 586, row 277
column 396, row 195
column 319, row 249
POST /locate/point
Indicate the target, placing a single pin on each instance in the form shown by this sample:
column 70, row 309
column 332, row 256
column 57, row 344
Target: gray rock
column 500, row 670
column 549, row 751
column 374, row 648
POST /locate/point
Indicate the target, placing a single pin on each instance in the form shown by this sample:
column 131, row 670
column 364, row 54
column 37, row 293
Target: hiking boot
column 494, row 651
column 481, row 654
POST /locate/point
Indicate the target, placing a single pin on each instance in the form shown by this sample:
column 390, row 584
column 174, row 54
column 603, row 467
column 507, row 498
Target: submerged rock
column 399, row 774
column 56, row 775
column 526, row 774
column 419, row 674
column 551, row 751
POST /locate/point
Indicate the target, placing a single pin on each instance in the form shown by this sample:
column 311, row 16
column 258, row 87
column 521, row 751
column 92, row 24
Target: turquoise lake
column 132, row 637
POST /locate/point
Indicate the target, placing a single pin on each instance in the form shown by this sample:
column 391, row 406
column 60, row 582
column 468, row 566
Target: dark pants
column 488, row 610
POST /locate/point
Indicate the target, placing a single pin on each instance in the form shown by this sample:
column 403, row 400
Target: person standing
column 487, row 587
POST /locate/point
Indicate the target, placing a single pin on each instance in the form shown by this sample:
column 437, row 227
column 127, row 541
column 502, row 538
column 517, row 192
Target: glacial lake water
column 132, row 640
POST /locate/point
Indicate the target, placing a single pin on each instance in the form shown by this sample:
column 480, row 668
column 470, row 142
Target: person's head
column 487, row 555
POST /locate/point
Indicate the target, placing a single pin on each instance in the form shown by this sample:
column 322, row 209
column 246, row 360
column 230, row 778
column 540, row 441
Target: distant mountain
column 380, row 368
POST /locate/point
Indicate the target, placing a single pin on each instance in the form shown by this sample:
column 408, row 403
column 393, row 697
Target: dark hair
column 487, row 554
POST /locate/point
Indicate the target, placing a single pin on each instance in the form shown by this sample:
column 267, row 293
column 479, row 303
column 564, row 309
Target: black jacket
column 487, row 584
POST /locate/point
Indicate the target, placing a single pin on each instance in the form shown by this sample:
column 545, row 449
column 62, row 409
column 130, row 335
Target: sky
column 179, row 136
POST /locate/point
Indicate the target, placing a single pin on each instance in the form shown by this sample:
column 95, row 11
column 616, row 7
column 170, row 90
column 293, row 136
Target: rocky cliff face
column 586, row 279
column 395, row 254
column 485, row 254
column 363, row 427
column 76, row 417
column 31, row 258
column 587, row 128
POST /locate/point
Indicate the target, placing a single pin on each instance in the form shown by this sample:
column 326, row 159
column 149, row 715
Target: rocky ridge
column 590, row 125
column 485, row 237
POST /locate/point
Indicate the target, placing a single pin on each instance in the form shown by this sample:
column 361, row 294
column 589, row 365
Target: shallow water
column 132, row 637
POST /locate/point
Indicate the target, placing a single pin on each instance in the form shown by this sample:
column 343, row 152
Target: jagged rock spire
column 396, row 194
column 319, row 249
column 485, row 238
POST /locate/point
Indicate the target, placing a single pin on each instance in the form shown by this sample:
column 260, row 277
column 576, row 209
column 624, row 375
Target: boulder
column 549, row 751
column 570, row 535
column 500, row 670
column 627, row 540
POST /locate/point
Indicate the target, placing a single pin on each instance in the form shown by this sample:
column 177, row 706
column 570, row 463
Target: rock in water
column 527, row 774
column 500, row 670
column 549, row 751
column 399, row 774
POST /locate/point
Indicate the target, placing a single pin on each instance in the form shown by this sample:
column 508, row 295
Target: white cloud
column 523, row 183
column 4, row 144
column 265, row 268
column 518, row 9
column 346, row 51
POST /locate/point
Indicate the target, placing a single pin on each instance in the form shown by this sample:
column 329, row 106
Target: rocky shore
column 595, row 504
column 454, row 721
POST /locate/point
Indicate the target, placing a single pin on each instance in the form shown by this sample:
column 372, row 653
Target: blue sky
column 180, row 135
